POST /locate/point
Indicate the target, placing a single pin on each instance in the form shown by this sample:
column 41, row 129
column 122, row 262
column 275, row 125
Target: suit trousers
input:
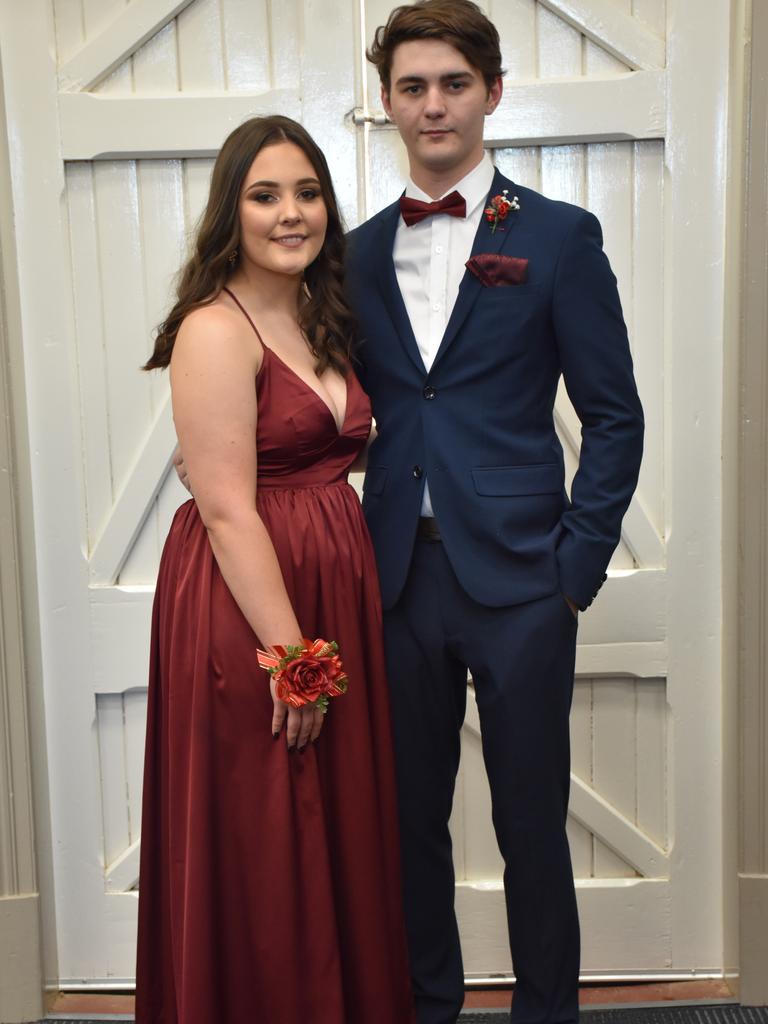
column 521, row 658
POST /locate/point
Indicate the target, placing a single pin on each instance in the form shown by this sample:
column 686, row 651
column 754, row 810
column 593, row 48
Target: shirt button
column 417, row 472
column 438, row 249
column 429, row 393
column 436, row 307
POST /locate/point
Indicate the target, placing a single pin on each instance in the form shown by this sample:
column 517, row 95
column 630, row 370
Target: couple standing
column 271, row 873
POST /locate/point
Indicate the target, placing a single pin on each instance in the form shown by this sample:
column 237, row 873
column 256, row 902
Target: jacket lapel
column 386, row 280
column 488, row 241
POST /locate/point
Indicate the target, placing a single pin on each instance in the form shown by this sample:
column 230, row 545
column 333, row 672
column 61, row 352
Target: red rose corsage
column 499, row 207
column 308, row 674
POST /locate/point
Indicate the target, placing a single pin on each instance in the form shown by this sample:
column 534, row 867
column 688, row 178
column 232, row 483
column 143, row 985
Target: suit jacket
column 479, row 424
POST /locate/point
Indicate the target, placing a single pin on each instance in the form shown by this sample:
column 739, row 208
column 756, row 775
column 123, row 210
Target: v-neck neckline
column 296, row 374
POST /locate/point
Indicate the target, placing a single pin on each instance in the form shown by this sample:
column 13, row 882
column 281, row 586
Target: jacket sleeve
column 597, row 370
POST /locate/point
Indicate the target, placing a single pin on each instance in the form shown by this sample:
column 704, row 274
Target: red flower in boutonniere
column 499, row 208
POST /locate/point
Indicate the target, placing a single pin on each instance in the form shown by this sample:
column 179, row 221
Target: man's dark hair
column 458, row 22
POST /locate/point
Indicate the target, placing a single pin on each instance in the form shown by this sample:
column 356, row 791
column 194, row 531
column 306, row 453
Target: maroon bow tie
column 413, row 210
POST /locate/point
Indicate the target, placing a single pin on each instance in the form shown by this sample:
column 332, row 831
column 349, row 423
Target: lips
column 290, row 241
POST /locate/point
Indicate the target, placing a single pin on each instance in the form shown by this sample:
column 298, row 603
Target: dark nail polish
column 292, row 750
column 302, row 749
column 275, row 735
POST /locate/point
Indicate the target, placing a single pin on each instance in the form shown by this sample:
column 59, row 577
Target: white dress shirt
column 429, row 262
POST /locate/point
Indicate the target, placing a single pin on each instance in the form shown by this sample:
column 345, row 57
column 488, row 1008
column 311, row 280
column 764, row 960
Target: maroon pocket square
column 495, row 271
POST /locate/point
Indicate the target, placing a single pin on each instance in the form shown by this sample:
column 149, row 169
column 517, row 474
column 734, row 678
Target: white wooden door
column 115, row 109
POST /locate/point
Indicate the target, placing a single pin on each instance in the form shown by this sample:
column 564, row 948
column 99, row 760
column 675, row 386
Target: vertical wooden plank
column 109, row 723
column 376, row 13
column 646, row 317
column 579, row 837
column 89, row 342
column 653, row 13
column 522, row 164
column 610, row 173
column 563, row 171
column 614, row 762
column 201, row 64
column 389, row 169
column 559, row 46
column 197, row 180
column 285, row 42
column 120, row 255
column 163, row 249
column 328, row 91
column 516, row 22
column 135, row 716
column 69, row 26
column 247, row 45
column 651, row 752
column 155, row 64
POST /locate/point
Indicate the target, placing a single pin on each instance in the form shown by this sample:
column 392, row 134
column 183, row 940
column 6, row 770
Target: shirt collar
column 474, row 186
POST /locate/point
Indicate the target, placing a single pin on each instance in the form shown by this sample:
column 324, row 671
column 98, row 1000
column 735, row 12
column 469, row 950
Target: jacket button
column 417, row 472
column 429, row 393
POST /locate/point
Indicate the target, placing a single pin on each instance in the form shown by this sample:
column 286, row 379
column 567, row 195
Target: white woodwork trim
column 123, row 873
column 153, row 459
column 637, row 530
column 125, row 128
column 133, row 27
column 560, row 111
column 635, row 660
column 640, row 536
column 605, row 109
column 643, row 902
column 603, row 820
column 617, row 831
column 556, row 112
column 623, row 36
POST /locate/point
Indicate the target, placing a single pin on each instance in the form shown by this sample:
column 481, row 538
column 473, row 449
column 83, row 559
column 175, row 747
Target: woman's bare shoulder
column 217, row 325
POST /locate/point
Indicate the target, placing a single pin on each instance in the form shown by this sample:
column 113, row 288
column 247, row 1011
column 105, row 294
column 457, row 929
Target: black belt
column 428, row 529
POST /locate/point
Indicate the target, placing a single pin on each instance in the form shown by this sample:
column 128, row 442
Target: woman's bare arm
column 213, row 372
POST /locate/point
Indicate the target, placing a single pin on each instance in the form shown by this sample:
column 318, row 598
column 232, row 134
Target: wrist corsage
column 307, row 674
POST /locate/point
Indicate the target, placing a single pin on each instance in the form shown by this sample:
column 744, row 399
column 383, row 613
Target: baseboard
column 21, row 983
column 753, row 940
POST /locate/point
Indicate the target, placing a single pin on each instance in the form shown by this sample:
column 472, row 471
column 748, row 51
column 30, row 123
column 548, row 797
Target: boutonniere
column 499, row 207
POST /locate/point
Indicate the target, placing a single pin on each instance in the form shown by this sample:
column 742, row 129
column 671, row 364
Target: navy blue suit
column 479, row 426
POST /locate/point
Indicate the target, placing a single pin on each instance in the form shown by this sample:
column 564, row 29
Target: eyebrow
column 276, row 184
column 449, row 76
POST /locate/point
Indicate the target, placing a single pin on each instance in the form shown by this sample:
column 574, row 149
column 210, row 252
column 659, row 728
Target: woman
column 269, row 881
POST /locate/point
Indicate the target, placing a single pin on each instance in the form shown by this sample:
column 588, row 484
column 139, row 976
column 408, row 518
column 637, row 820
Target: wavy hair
column 325, row 318
column 458, row 22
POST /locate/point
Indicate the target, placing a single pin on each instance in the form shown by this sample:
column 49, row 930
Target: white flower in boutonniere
column 498, row 209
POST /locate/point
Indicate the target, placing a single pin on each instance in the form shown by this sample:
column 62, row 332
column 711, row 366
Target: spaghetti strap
column 239, row 304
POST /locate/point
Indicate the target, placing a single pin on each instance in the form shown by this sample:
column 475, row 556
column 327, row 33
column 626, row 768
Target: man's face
column 439, row 102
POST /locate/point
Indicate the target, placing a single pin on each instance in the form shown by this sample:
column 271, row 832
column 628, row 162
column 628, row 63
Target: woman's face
column 283, row 218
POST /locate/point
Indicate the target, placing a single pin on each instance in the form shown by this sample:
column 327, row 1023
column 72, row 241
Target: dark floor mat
column 726, row 1013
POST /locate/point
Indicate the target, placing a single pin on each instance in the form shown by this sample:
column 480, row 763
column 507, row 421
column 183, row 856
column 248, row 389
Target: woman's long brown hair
column 325, row 318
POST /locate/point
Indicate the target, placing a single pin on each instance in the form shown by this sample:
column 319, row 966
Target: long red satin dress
column 270, row 885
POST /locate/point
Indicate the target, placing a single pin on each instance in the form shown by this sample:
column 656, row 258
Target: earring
column 232, row 258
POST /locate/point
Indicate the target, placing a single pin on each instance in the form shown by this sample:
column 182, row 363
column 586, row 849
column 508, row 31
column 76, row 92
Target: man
column 483, row 558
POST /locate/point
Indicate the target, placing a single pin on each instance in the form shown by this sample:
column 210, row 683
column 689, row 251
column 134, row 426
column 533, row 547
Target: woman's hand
column 303, row 724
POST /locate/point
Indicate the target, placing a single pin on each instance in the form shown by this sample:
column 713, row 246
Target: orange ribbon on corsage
column 311, row 673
